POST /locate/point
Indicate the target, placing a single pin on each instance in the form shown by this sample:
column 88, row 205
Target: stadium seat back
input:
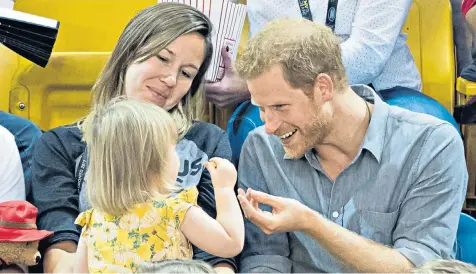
column 430, row 37
column 60, row 93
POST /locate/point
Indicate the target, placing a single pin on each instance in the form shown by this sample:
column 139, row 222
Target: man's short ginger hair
column 303, row 49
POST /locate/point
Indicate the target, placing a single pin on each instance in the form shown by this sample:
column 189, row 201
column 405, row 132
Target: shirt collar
column 375, row 135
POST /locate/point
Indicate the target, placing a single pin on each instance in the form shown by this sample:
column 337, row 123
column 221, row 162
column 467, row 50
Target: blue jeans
column 246, row 116
column 26, row 134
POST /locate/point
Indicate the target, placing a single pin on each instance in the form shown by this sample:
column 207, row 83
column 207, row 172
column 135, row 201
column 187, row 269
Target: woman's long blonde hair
column 146, row 34
column 128, row 142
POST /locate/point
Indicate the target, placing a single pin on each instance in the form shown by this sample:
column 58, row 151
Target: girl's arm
column 54, row 191
column 223, row 237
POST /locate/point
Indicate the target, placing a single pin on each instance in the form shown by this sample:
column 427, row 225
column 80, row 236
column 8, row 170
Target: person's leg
column 469, row 72
column 418, row 102
column 26, row 134
column 244, row 119
column 460, row 33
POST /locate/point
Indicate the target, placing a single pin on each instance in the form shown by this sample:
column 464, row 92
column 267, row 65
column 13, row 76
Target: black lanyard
column 305, row 10
column 330, row 16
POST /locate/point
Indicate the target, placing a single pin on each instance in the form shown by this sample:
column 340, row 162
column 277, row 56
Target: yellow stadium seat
column 430, row 38
column 246, row 31
column 60, row 93
column 89, row 30
column 465, row 90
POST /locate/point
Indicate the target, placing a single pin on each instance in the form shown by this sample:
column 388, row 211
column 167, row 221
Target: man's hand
column 351, row 249
column 232, row 89
column 287, row 214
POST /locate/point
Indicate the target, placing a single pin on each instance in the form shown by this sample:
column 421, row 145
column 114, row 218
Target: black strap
column 465, row 114
column 330, row 15
column 305, row 10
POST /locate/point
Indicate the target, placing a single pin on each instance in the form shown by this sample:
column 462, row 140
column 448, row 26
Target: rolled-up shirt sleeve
column 428, row 221
column 262, row 253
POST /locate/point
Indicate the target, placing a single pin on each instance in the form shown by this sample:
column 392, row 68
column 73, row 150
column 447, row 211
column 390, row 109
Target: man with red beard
column 337, row 180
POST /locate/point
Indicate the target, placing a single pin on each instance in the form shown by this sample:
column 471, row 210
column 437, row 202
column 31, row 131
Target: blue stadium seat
column 466, row 239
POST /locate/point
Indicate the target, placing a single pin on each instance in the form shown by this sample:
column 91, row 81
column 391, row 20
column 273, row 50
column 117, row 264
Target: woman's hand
column 232, row 89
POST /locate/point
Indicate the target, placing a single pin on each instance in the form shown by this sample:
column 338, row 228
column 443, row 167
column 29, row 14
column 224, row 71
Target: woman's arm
column 55, row 193
column 81, row 258
column 59, row 257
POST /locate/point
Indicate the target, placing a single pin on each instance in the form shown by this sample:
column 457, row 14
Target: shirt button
column 335, row 214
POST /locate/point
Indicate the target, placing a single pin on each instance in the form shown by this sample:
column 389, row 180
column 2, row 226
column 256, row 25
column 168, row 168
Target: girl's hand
column 223, row 173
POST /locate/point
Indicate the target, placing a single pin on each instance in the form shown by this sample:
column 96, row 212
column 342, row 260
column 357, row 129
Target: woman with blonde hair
column 161, row 57
column 138, row 213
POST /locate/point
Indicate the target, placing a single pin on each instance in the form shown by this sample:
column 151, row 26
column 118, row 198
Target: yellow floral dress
column 149, row 232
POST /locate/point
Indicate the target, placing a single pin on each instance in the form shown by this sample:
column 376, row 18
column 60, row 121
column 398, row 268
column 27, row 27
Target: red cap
column 466, row 5
column 18, row 222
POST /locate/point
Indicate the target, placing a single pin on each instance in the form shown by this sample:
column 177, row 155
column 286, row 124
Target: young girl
column 137, row 212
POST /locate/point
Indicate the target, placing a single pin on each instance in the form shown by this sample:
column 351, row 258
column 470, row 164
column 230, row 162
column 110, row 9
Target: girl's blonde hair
column 128, row 142
column 149, row 32
column 176, row 266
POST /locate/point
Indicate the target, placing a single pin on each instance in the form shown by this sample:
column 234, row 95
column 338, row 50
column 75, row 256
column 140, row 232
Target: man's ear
column 324, row 87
